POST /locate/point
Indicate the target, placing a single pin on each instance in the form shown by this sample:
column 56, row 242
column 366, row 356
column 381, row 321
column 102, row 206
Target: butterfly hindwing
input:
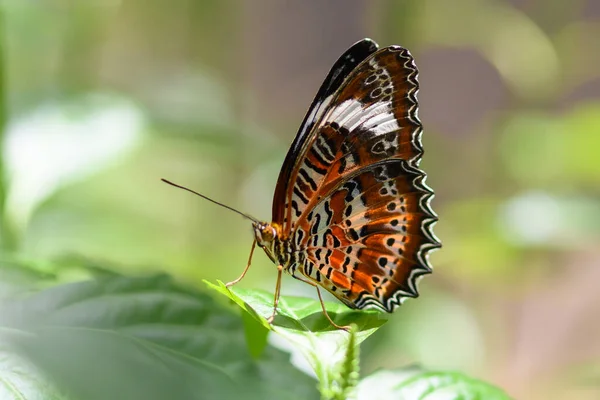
column 367, row 241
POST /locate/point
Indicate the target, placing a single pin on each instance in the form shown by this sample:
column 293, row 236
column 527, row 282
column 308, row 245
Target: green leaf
column 221, row 288
column 20, row 380
column 302, row 323
column 256, row 335
column 416, row 384
column 144, row 338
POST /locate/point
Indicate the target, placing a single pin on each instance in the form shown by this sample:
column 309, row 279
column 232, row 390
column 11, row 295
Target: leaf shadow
column 317, row 322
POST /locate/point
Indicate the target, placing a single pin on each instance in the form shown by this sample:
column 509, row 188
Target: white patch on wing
column 342, row 111
column 377, row 118
column 385, row 125
column 372, row 111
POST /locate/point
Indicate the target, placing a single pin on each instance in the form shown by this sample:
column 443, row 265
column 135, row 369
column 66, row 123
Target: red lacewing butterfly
column 351, row 210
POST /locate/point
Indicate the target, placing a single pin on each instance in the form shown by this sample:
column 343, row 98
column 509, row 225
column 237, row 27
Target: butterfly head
column 265, row 233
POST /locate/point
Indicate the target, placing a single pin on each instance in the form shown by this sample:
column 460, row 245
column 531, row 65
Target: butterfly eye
column 264, row 233
column 268, row 233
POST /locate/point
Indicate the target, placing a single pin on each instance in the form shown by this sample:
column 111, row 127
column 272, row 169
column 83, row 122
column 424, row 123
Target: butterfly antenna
column 211, row 200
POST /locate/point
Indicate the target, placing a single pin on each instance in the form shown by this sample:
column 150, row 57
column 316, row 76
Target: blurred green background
column 102, row 98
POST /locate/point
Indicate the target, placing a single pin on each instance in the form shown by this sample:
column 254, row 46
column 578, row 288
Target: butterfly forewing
column 338, row 73
column 354, row 206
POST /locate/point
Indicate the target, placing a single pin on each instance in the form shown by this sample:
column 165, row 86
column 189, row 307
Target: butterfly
column 351, row 210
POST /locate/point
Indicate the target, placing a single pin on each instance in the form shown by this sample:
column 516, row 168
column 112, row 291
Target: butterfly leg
column 277, row 294
column 233, row 282
column 344, row 327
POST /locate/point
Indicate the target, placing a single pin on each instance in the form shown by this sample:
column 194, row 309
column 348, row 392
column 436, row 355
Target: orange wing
column 355, row 206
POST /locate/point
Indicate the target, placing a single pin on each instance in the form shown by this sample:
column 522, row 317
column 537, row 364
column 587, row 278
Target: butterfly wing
column 355, row 205
column 338, row 73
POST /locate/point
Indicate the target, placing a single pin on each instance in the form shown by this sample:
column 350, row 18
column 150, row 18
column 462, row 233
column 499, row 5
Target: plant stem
column 345, row 378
